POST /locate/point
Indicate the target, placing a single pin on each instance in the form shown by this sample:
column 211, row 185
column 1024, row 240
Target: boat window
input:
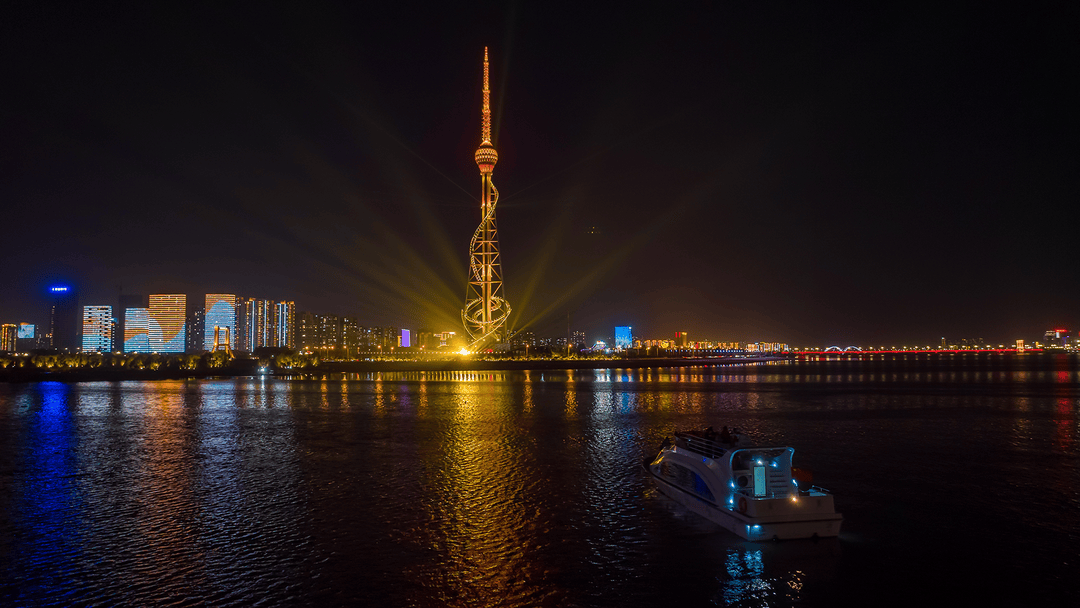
column 701, row 488
column 759, row 481
column 686, row 479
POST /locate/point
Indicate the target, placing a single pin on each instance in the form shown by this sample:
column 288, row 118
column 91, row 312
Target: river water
column 958, row 481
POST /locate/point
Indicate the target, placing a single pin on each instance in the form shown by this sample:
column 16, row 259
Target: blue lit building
column 220, row 313
column 623, row 337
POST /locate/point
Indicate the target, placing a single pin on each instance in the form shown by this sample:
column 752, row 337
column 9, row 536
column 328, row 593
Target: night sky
column 792, row 172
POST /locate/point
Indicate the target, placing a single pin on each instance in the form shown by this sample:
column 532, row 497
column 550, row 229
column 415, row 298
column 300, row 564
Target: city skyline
column 170, row 323
column 801, row 175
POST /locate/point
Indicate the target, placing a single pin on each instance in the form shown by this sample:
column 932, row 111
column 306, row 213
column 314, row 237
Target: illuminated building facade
column 405, row 340
column 1056, row 338
column 266, row 324
column 97, row 329
column 9, row 336
column 137, row 330
column 320, row 334
column 524, row 338
column 127, row 301
column 378, row 337
column 623, row 337
column 486, row 309
column 167, row 315
column 332, row 336
column 767, row 347
column 220, row 312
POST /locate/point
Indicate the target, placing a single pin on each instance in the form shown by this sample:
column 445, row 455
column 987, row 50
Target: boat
column 751, row 491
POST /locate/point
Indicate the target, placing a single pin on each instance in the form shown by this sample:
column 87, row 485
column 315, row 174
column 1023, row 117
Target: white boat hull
column 774, row 527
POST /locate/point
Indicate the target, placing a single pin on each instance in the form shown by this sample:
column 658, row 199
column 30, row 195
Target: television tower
column 486, row 310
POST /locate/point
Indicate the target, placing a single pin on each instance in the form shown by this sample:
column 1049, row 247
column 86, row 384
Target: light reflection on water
column 515, row 488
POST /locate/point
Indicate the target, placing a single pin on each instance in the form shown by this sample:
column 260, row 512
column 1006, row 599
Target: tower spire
column 485, row 128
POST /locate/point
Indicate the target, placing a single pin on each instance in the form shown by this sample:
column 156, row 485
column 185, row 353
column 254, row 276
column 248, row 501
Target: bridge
column 853, row 352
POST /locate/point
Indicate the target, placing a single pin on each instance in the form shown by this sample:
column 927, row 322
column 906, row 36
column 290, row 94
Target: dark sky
column 741, row 171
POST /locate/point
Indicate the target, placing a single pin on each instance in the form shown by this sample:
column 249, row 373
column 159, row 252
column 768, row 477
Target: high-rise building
column 350, row 336
column 64, row 318
column 681, row 340
column 623, row 337
column 305, row 332
column 328, row 330
column 284, row 322
column 244, row 309
column 578, row 339
column 137, row 330
column 28, row 339
column 167, row 316
column 97, row 329
column 127, row 301
column 195, row 323
column 9, row 336
column 405, row 340
column 486, row 309
column 320, row 334
column 266, row 324
column 220, row 312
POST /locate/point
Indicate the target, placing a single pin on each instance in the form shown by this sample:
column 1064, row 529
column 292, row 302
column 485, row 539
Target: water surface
column 525, row 488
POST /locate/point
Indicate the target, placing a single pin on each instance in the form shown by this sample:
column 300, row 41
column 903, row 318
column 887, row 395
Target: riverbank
column 243, row 368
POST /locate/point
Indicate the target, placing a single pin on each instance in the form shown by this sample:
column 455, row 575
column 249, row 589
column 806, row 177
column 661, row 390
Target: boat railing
column 700, row 445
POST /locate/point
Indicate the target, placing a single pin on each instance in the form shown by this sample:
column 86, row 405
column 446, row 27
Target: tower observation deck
column 486, row 309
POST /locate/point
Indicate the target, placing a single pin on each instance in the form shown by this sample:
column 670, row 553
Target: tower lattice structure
column 486, row 309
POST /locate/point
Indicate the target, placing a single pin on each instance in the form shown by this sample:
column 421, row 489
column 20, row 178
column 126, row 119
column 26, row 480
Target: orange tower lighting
column 486, row 310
